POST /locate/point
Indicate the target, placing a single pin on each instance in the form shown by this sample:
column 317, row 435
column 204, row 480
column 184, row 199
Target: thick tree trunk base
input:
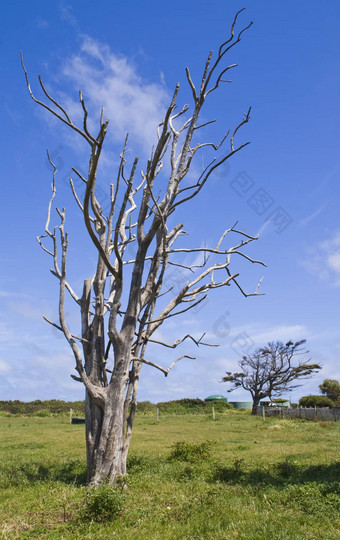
column 104, row 442
column 254, row 408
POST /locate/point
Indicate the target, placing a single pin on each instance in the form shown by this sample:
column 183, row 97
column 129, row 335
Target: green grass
column 189, row 477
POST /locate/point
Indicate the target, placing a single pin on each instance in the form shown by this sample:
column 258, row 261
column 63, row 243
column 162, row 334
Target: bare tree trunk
column 256, row 402
column 104, row 438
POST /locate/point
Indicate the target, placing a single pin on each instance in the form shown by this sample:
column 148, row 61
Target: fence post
column 213, row 413
column 157, row 414
column 71, row 413
column 263, row 413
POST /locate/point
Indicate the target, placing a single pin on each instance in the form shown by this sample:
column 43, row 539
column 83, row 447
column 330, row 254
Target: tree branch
column 165, row 371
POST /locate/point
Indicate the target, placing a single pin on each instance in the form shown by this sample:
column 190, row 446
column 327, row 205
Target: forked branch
column 163, row 370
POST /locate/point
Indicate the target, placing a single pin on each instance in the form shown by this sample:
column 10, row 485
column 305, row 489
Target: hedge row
column 43, row 408
column 56, row 407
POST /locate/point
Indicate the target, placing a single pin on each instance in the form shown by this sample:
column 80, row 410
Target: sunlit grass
column 235, row 477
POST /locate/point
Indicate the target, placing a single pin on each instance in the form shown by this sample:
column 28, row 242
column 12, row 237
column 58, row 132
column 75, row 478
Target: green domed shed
column 241, row 404
column 216, row 398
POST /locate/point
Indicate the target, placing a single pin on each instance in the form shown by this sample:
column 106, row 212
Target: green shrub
column 146, row 407
column 331, row 388
column 55, row 406
column 192, row 406
column 316, row 401
column 184, row 451
column 104, row 503
column 44, row 413
column 43, row 408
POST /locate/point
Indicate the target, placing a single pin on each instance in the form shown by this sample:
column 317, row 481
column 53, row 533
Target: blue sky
column 285, row 185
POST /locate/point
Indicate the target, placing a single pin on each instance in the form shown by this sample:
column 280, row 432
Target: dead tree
column 119, row 304
column 271, row 370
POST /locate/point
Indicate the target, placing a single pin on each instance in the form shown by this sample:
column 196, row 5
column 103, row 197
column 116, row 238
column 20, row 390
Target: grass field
column 237, row 477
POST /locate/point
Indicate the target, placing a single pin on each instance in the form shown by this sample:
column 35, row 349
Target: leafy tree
column 316, row 401
column 331, row 388
column 279, row 401
column 272, row 370
column 125, row 300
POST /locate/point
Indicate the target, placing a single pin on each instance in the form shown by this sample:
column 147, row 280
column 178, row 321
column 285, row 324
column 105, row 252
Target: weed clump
column 104, row 503
column 184, row 451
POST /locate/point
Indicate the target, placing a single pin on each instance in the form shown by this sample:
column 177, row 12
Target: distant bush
column 331, row 388
column 55, row 407
column 192, row 406
column 146, row 407
column 44, row 413
column 316, row 401
column 43, row 408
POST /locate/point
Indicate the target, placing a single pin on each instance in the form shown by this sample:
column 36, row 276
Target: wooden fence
column 306, row 413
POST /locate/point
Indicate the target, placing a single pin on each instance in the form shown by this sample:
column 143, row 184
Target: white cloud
column 256, row 334
column 332, row 243
column 5, row 367
column 5, row 333
column 202, row 376
column 323, row 260
column 334, row 261
column 189, row 378
column 107, row 79
column 279, row 333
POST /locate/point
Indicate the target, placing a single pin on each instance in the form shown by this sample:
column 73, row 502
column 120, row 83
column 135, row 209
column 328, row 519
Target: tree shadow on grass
column 71, row 472
column 278, row 474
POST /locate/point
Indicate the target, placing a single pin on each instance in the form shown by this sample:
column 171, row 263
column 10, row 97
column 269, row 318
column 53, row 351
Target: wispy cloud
column 323, row 260
column 263, row 228
column 27, row 309
column 305, row 221
column 330, row 176
column 283, row 332
column 261, row 334
column 66, row 14
column 5, row 367
column 42, row 23
column 10, row 294
column 5, row 332
column 13, row 114
column 6, row 294
column 107, row 79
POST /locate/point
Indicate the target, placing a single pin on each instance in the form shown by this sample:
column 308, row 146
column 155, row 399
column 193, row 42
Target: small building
column 241, row 404
column 216, row 397
column 268, row 403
